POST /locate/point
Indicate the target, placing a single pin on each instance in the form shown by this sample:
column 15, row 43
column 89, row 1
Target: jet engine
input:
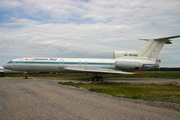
column 128, row 65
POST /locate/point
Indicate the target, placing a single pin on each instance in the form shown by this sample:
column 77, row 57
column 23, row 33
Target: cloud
column 86, row 28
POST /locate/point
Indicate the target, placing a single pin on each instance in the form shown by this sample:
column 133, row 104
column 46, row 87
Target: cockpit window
column 10, row 62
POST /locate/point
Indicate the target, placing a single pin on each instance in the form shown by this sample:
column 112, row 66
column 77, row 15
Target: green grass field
column 165, row 93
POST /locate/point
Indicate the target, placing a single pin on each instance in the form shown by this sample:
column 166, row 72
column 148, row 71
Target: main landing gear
column 96, row 77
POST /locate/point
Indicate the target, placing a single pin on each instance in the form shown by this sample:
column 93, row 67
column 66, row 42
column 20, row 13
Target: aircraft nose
column 5, row 66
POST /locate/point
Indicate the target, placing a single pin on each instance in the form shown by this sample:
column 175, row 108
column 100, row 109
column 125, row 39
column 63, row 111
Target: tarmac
column 42, row 98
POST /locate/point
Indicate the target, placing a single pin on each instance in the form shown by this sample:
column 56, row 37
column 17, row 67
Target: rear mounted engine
column 129, row 65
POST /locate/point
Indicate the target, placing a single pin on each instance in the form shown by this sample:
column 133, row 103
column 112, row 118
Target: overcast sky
column 86, row 28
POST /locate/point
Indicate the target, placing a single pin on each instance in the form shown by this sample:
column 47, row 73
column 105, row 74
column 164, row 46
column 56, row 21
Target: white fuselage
column 60, row 64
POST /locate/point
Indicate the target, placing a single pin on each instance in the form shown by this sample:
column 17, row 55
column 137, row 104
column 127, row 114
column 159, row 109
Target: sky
column 86, row 28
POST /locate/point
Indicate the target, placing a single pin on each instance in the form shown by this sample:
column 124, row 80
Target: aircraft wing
column 98, row 70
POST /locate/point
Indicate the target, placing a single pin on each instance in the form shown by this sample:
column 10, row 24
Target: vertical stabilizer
column 151, row 49
column 153, row 46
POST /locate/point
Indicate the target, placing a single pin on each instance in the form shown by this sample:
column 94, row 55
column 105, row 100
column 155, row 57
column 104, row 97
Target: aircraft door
column 61, row 62
column 82, row 64
column 20, row 63
column 79, row 63
column 85, row 64
column 15, row 65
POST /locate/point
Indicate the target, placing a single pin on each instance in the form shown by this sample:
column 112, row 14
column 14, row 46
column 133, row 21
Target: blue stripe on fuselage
column 66, row 63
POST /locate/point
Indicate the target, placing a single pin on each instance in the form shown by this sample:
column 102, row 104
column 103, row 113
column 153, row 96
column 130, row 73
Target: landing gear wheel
column 25, row 77
column 95, row 77
column 100, row 78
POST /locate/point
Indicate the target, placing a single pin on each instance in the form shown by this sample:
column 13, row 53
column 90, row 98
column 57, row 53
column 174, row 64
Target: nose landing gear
column 25, row 75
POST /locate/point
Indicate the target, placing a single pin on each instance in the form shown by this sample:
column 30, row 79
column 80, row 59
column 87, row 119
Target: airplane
column 124, row 62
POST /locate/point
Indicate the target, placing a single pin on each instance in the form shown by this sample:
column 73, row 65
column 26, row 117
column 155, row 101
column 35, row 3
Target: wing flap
column 93, row 70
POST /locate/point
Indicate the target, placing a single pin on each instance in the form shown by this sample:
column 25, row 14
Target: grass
column 156, row 74
column 165, row 93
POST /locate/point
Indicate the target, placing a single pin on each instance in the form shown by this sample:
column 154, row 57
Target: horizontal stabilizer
column 161, row 39
column 167, row 38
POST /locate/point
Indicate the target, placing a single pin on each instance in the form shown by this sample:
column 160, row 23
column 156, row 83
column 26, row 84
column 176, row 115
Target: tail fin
column 153, row 47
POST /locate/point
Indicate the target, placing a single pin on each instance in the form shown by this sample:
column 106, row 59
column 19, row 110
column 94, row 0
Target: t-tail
column 153, row 47
column 150, row 50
